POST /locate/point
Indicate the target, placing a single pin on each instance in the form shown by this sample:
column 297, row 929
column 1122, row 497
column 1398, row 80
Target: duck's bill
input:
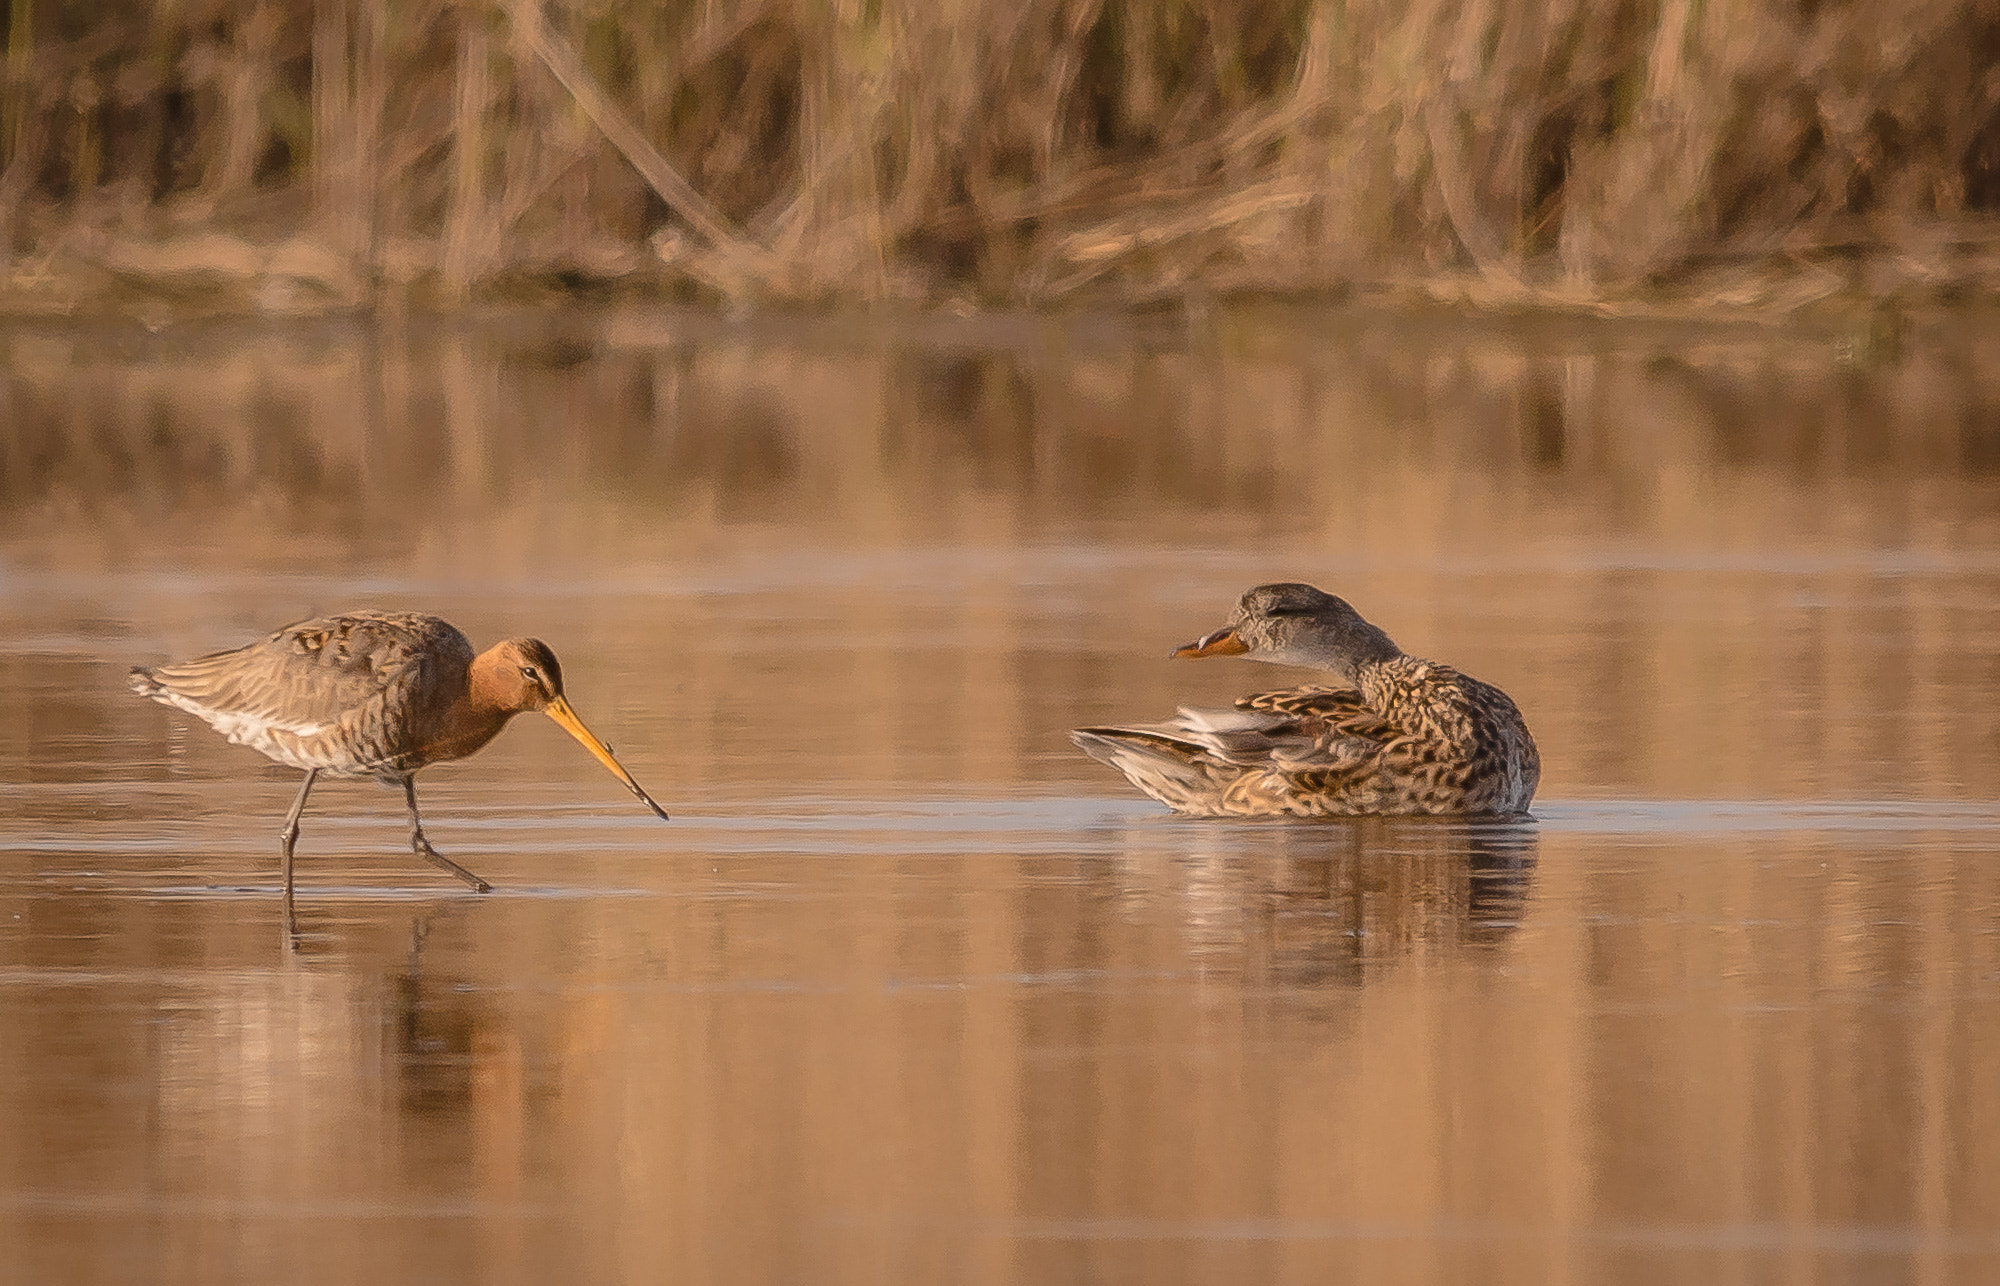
column 566, row 719
column 1221, row 643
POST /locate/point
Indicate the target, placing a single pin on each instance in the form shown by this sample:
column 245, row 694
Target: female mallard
column 1409, row 735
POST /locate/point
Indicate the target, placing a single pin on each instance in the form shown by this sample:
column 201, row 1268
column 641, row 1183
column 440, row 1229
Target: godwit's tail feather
column 329, row 717
column 190, row 685
column 198, row 680
column 208, row 686
column 310, row 677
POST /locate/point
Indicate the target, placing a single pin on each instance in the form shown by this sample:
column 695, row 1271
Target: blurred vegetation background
column 316, row 154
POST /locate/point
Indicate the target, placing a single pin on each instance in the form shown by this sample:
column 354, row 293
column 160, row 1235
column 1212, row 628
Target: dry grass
column 1023, row 151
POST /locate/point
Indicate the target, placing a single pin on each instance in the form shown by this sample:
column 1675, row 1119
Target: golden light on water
column 908, row 989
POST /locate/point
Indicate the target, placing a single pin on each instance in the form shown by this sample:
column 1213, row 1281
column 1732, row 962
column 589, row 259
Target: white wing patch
column 243, row 729
column 271, row 737
column 1213, row 721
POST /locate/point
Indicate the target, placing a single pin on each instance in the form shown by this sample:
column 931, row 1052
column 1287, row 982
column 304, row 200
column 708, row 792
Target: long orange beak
column 1221, row 643
column 566, row 719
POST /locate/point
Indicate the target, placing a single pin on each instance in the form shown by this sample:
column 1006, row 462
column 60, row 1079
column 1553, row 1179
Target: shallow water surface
column 909, row 990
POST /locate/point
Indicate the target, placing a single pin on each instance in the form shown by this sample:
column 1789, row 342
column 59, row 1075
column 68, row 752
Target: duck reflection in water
column 1339, row 903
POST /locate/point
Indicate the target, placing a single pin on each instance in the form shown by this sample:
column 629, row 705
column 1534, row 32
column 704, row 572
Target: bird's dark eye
column 528, row 672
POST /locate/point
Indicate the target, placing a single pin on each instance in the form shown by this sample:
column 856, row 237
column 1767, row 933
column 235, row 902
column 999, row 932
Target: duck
column 1397, row 735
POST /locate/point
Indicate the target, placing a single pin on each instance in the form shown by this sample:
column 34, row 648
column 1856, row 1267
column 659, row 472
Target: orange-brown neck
column 478, row 716
column 494, row 684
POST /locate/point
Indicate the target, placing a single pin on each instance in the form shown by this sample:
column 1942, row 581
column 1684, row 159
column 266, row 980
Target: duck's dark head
column 1294, row 624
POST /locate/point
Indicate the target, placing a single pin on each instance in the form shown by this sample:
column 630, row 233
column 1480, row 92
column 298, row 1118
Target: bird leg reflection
column 422, row 847
column 290, row 838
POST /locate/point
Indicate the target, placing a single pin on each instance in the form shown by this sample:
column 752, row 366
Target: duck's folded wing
column 1289, row 731
column 1311, row 701
column 1240, row 738
column 1329, row 729
column 1261, row 757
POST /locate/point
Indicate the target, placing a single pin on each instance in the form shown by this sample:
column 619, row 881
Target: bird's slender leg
column 290, row 837
column 423, row 847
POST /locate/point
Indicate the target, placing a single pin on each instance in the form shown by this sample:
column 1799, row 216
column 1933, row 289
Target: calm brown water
column 911, row 991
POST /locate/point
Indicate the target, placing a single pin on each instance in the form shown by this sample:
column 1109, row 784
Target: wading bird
column 1404, row 736
column 371, row 694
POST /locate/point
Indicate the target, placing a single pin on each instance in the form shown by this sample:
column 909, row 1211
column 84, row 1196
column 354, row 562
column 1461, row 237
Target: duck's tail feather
column 1174, row 770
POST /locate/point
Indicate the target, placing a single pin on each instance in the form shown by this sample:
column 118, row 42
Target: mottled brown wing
column 1436, row 743
column 361, row 675
column 1313, row 700
column 1344, row 733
